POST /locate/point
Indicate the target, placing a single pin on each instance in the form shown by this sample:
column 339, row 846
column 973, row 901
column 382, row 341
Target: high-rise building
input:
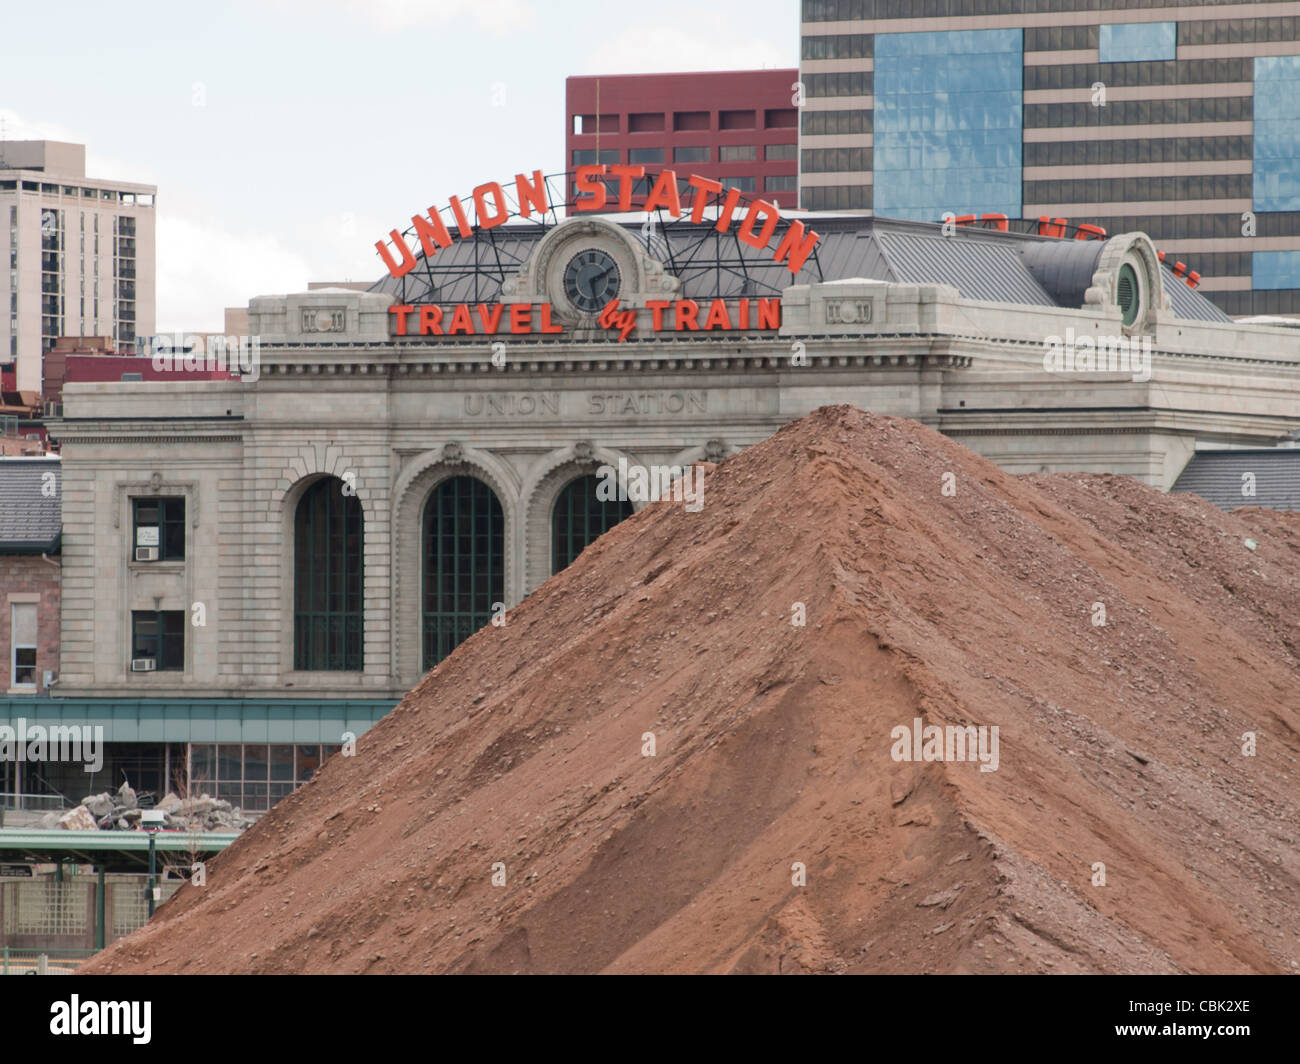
column 79, row 253
column 1177, row 118
column 738, row 127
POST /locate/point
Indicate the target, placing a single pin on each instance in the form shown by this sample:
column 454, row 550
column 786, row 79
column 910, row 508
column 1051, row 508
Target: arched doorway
column 464, row 564
column 579, row 518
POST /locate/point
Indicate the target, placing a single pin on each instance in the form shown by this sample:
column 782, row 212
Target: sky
column 287, row 136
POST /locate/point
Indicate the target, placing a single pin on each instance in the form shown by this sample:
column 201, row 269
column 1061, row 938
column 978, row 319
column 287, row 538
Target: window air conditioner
column 143, row 664
column 146, row 554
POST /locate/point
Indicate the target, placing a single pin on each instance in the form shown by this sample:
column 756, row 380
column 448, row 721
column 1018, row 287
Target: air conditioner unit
column 146, row 554
column 144, row 664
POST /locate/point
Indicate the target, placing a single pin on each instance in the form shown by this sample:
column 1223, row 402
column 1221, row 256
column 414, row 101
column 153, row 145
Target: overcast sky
column 287, row 136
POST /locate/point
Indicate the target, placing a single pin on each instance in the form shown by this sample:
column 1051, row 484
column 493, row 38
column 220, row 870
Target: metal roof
column 1217, row 476
column 987, row 270
column 203, row 720
column 112, row 851
column 30, row 513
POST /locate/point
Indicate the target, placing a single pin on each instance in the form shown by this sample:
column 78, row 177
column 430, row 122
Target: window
column 840, row 83
column 745, row 184
column 645, row 155
column 829, row 122
column 779, row 183
column 835, row 160
column 1276, row 154
column 585, row 157
column 1138, row 42
column 607, row 124
column 692, row 154
column 580, row 517
column 253, row 776
column 780, row 152
column 838, row 46
column 1276, row 269
column 23, row 672
column 650, row 122
column 948, row 123
column 737, row 153
column 835, row 197
column 159, row 524
column 464, row 563
column 327, row 585
column 159, row 635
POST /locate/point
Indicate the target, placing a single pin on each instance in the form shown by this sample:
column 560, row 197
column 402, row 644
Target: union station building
column 253, row 566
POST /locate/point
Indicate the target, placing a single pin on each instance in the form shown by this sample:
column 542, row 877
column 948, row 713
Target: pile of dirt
column 773, row 829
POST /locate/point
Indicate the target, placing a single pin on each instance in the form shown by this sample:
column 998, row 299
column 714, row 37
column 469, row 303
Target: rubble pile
column 122, row 812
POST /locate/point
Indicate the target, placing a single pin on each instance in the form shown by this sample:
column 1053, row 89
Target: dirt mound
column 969, row 599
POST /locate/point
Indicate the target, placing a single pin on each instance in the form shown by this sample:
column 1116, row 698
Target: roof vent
column 1129, row 293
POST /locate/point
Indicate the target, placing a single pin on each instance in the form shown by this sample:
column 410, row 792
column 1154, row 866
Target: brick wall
column 29, row 578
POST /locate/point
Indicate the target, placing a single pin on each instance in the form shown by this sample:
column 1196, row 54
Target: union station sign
column 589, row 282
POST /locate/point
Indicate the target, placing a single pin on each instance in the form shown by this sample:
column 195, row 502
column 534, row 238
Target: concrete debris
column 122, row 812
column 78, row 819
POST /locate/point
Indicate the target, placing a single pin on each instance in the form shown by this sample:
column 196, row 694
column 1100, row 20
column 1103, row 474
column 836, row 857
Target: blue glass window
column 948, row 115
column 1136, row 42
column 1275, row 269
column 1276, row 161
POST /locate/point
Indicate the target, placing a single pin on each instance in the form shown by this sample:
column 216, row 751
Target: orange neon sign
column 757, row 226
column 666, row 315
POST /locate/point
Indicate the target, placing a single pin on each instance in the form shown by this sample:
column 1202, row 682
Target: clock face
column 591, row 280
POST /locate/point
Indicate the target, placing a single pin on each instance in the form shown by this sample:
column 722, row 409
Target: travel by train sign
column 666, row 315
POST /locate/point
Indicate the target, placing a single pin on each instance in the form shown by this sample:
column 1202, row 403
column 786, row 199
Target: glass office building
column 1161, row 115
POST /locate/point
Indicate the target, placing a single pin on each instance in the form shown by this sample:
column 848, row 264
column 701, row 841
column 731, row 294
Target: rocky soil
column 654, row 767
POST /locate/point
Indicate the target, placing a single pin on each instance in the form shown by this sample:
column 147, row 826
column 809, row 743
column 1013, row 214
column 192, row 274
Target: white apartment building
column 79, row 254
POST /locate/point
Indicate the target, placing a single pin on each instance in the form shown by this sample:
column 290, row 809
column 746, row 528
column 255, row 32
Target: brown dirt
column 1119, row 744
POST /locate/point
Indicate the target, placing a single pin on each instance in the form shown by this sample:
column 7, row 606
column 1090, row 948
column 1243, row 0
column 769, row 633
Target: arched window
column 464, row 563
column 579, row 518
column 328, row 609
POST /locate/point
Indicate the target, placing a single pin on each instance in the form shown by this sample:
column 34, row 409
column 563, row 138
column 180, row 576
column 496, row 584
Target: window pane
column 282, row 763
column 309, row 760
column 24, row 624
column 229, row 762
column 255, row 762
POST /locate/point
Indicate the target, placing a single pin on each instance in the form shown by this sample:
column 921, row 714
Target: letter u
column 408, row 260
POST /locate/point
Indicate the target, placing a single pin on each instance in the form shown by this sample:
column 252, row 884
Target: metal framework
column 473, row 269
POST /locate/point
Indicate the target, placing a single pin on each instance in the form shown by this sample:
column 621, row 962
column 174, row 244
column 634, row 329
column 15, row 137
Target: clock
column 591, row 280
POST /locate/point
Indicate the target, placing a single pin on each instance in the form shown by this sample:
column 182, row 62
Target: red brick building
column 30, row 572
column 739, row 127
